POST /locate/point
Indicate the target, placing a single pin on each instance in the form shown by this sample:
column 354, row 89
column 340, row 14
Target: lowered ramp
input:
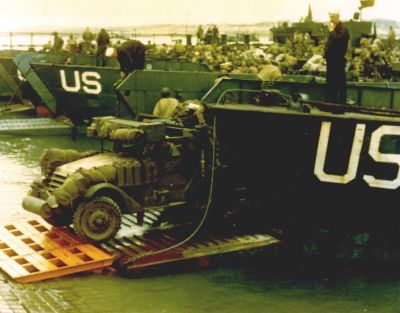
column 34, row 126
column 32, row 250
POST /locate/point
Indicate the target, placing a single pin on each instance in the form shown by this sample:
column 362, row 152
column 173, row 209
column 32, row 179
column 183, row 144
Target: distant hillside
column 260, row 28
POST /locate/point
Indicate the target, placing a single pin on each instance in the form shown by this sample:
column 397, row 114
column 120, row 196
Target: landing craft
column 13, row 88
column 320, row 174
column 383, row 96
column 86, row 91
column 38, row 93
column 318, row 31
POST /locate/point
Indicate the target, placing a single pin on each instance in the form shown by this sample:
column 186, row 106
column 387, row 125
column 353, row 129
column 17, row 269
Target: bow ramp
column 32, row 250
column 34, row 126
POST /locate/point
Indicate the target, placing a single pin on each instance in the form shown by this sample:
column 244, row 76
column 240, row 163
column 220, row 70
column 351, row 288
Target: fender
column 131, row 206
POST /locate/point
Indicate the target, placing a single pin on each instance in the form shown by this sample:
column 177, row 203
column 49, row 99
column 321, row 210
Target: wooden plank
column 40, row 252
column 32, row 250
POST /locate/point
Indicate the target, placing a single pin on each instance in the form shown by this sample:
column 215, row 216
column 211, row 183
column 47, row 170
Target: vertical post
column 223, row 38
column 11, row 41
column 188, row 39
column 246, row 39
column 32, row 41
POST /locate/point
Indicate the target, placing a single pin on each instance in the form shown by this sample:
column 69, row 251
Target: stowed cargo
column 127, row 131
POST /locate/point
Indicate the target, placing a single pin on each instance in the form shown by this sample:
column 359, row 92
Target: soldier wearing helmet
column 335, row 51
column 167, row 106
column 58, row 43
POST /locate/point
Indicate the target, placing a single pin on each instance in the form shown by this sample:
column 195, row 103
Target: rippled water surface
column 240, row 283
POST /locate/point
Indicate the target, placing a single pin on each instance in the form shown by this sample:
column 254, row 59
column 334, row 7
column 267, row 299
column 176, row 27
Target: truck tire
column 97, row 220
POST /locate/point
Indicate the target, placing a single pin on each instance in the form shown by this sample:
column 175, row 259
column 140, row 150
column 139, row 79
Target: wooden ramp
column 32, row 250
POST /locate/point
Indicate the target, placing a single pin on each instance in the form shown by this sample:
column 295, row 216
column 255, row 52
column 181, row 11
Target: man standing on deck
column 335, row 51
column 58, row 43
column 131, row 55
column 87, row 37
column 103, row 40
column 200, row 34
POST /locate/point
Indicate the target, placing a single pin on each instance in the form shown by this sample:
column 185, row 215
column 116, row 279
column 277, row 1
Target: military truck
column 153, row 166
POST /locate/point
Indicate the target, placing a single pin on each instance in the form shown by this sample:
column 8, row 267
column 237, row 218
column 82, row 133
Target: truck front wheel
column 97, row 220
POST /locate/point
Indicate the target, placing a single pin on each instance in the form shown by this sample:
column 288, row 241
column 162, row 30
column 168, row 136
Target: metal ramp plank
column 230, row 247
column 199, row 246
column 38, row 126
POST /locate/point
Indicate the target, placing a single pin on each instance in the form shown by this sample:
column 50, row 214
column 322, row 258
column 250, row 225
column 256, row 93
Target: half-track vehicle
column 152, row 166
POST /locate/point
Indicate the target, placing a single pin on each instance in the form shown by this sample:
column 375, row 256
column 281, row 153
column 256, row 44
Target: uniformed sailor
column 335, row 51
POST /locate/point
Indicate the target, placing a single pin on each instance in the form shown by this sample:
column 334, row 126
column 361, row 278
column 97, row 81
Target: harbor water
column 240, row 282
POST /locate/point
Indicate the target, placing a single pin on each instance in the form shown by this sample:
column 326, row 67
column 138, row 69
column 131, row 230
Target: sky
column 18, row 15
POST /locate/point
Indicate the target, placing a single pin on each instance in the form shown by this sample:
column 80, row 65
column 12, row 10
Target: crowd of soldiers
column 369, row 60
column 86, row 45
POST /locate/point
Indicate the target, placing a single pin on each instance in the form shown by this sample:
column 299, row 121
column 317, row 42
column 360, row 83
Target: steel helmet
column 165, row 92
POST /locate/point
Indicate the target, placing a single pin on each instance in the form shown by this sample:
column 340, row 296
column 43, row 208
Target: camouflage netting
column 77, row 183
column 52, row 158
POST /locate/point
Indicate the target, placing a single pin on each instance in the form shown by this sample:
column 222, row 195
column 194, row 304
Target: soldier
column 391, row 40
column 179, row 49
column 58, row 43
column 209, row 36
column 167, row 106
column 72, row 45
column 335, row 51
column 103, row 40
column 200, row 34
column 215, row 34
column 47, row 47
column 87, row 37
column 130, row 55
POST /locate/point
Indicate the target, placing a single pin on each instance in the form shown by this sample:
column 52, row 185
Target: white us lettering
column 89, row 83
column 352, row 168
column 354, row 155
column 383, row 157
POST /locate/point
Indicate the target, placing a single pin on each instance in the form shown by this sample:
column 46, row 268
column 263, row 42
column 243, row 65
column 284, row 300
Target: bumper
column 37, row 206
